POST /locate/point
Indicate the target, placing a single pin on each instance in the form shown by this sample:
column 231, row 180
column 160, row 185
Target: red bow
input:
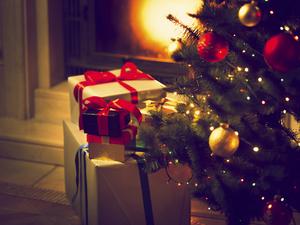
column 129, row 71
column 100, row 104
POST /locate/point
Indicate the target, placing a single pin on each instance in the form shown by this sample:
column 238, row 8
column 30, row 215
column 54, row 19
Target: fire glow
column 149, row 23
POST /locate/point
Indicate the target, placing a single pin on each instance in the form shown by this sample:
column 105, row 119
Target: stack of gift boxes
column 105, row 185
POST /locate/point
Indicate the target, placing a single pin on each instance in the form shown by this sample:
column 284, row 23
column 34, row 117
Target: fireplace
column 102, row 34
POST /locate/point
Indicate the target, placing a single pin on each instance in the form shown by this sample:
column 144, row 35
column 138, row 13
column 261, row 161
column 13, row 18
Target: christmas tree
column 243, row 82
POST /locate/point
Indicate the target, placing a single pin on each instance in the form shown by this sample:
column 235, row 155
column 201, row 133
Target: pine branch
column 189, row 30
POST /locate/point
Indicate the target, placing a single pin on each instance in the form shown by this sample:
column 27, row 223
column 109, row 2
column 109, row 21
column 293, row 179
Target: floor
column 33, row 174
column 18, row 210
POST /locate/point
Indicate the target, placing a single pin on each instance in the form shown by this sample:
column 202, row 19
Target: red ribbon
column 129, row 71
column 100, row 104
column 127, row 135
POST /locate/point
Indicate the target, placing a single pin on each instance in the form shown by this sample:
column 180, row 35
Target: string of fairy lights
column 193, row 110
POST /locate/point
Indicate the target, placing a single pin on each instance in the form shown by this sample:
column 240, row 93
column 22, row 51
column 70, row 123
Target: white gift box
column 113, row 190
column 146, row 89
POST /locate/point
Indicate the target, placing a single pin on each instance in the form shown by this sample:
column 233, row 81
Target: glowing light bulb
column 284, row 111
column 259, row 79
column 179, row 184
column 239, row 68
column 287, row 99
column 174, row 46
column 296, row 37
column 244, row 51
column 286, row 28
column 242, row 180
column 175, row 93
column 299, row 144
column 253, row 184
column 211, row 128
column 281, row 79
column 197, row 113
column 270, row 206
column 236, row 133
column 196, row 184
column 247, row 69
column 256, row 149
column 228, row 160
column 253, row 55
column 281, row 28
column 248, row 98
column 271, row 12
column 263, row 102
column 187, row 112
column 282, row 199
column 262, row 198
column 192, row 105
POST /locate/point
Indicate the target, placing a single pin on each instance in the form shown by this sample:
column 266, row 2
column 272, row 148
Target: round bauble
column 180, row 173
column 223, row 141
column 281, row 52
column 277, row 213
column 249, row 15
column 212, row 47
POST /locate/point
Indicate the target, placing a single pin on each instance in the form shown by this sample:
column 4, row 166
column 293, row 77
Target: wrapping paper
column 114, row 191
column 101, row 118
column 115, row 120
column 146, row 89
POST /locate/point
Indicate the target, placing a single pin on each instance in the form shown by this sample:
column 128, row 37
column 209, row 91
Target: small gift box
column 107, row 119
column 107, row 192
column 127, row 83
column 165, row 105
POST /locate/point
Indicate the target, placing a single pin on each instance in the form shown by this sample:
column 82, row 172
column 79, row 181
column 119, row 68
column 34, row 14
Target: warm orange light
column 152, row 28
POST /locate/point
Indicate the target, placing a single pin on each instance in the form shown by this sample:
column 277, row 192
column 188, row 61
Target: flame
column 149, row 23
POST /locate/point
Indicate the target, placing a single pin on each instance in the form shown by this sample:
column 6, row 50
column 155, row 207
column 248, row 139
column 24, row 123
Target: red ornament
column 281, row 52
column 212, row 47
column 277, row 213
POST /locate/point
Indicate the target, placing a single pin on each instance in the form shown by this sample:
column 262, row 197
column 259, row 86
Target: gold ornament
column 223, row 141
column 250, row 14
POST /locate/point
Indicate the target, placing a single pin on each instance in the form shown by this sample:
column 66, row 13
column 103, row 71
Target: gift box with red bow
column 127, row 83
column 107, row 119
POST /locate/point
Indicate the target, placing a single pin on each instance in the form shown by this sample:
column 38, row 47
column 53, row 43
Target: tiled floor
column 23, row 211
column 33, row 174
column 18, row 210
